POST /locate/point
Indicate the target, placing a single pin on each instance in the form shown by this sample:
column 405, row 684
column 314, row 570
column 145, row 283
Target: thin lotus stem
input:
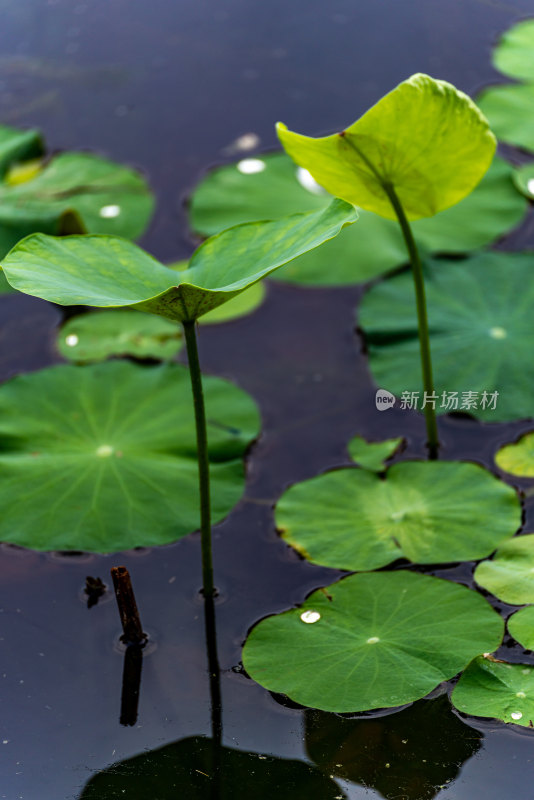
column 202, row 456
column 422, row 317
column 214, row 671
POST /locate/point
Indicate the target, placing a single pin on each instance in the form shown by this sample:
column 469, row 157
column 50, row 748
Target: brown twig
column 129, row 614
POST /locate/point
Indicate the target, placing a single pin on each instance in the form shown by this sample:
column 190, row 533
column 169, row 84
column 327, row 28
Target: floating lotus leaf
column 103, row 458
column 521, row 627
column 184, row 769
column 371, row 641
column 480, row 346
column 18, row 146
column 107, row 271
column 352, row 519
column 228, row 196
column 491, row 688
column 70, row 193
column 122, row 332
column 101, row 334
column 425, row 139
column 514, row 54
column 425, row 746
column 518, row 458
column 372, row 455
column 510, row 574
column 524, row 180
column 510, row 111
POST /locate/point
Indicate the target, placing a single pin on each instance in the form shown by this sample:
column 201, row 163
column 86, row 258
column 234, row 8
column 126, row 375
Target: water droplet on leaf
column 310, row 616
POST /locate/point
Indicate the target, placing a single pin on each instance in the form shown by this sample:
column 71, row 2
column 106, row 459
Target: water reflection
column 410, row 755
column 184, row 769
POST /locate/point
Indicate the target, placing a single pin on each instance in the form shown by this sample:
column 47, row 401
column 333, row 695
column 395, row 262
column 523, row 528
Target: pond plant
column 421, row 149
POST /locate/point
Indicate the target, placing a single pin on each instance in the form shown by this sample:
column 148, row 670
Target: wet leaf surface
column 372, row 640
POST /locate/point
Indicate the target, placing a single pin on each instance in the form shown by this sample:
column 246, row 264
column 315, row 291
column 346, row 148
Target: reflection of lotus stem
column 424, row 340
column 202, row 457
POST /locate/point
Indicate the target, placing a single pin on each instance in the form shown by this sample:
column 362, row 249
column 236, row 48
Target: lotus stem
column 422, row 317
column 202, row 457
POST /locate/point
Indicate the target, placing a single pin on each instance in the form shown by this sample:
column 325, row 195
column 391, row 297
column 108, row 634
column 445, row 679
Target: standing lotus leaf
column 492, row 688
column 354, row 520
column 106, row 271
column 380, row 640
column 510, row 573
column 230, row 195
column 425, row 139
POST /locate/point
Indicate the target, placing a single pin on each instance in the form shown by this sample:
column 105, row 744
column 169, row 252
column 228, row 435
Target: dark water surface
column 169, row 85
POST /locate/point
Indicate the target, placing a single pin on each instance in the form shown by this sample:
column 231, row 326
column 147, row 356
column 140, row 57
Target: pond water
column 170, row 86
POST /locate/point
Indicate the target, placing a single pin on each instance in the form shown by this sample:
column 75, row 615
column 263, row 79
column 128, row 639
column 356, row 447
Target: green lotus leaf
column 371, row 641
column 352, row 519
column 496, row 689
column 524, row 180
column 372, row 455
column 427, row 734
column 228, row 196
column 118, row 332
column 103, row 458
column 517, row 458
column 510, row 111
column 242, row 304
column 71, row 193
column 107, row 271
column 18, row 146
column 514, row 54
column 425, row 139
column 510, row 574
column 123, row 332
column 183, row 769
column 478, row 347
column 521, row 627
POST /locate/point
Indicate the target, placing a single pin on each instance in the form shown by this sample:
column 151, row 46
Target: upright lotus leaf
column 372, row 455
column 425, row 139
column 514, row 54
column 518, row 458
column 103, row 458
column 478, row 347
column 424, row 747
column 510, row 111
column 106, row 271
column 371, row 641
column 118, row 332
column 428, row 512
column 510, row 574
column 231, row 195
column 490, row 688
column 521, row 627
column 184, row 769
column 239, row 306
